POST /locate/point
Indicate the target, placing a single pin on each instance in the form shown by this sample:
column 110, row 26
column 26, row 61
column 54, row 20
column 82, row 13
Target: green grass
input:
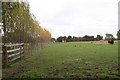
column 68, row 60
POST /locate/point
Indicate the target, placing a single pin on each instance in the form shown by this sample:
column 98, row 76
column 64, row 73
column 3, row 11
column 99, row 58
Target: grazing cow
column 111, row 41
column 110, row 38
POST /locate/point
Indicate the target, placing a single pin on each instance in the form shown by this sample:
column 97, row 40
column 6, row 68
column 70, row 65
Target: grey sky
column 77, row 17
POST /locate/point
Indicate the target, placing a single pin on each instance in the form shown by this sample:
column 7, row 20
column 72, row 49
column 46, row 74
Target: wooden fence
column 12, row 52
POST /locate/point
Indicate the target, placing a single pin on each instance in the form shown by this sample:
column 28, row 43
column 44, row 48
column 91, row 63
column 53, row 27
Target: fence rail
column 11, row 53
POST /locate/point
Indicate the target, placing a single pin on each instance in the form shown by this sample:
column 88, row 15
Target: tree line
column 74, row 38
column 20, row 26
column 87, row 38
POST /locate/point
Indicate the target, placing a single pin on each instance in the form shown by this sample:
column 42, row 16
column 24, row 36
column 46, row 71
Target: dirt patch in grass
column 101, row 42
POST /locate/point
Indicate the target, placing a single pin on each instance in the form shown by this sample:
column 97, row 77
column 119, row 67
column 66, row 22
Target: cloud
column 76, row 17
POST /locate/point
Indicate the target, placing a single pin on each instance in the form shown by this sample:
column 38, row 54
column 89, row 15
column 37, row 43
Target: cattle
column 111, row 41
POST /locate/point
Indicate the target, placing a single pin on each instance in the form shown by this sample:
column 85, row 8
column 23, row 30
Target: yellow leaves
column 20, row 19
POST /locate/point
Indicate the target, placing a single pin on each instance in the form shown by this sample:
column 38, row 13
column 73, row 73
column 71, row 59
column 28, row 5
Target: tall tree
column 99, row 37
column 118, row 34
column 20, row 25
column 109, row 36
column 69, row 38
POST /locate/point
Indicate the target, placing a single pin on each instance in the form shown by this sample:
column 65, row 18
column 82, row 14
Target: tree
column 88, row 38
column 53, row 39
column 109, row 36
column 75, row 38
column 19, row 25
column 99, row 37
column 118, row 35
column 59, row 39
column 69, row 38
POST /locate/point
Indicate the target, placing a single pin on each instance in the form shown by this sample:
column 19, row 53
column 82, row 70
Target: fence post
column 4, row 56
column 23, row 50
column 20, row 53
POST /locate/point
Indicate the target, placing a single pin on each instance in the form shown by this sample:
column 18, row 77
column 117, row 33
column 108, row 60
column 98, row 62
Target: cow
column 111, row 41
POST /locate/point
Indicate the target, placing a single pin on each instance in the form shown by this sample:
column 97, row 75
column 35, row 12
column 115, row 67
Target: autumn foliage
column 20, row 26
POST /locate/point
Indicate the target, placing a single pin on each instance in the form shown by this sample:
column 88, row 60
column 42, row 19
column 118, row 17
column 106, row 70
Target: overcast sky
column 77, row 17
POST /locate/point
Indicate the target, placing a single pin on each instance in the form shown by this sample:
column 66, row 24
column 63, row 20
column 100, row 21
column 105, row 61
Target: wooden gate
column 11, row 53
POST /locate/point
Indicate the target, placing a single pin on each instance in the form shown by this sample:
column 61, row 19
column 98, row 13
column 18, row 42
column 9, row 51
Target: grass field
column 68, row 60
